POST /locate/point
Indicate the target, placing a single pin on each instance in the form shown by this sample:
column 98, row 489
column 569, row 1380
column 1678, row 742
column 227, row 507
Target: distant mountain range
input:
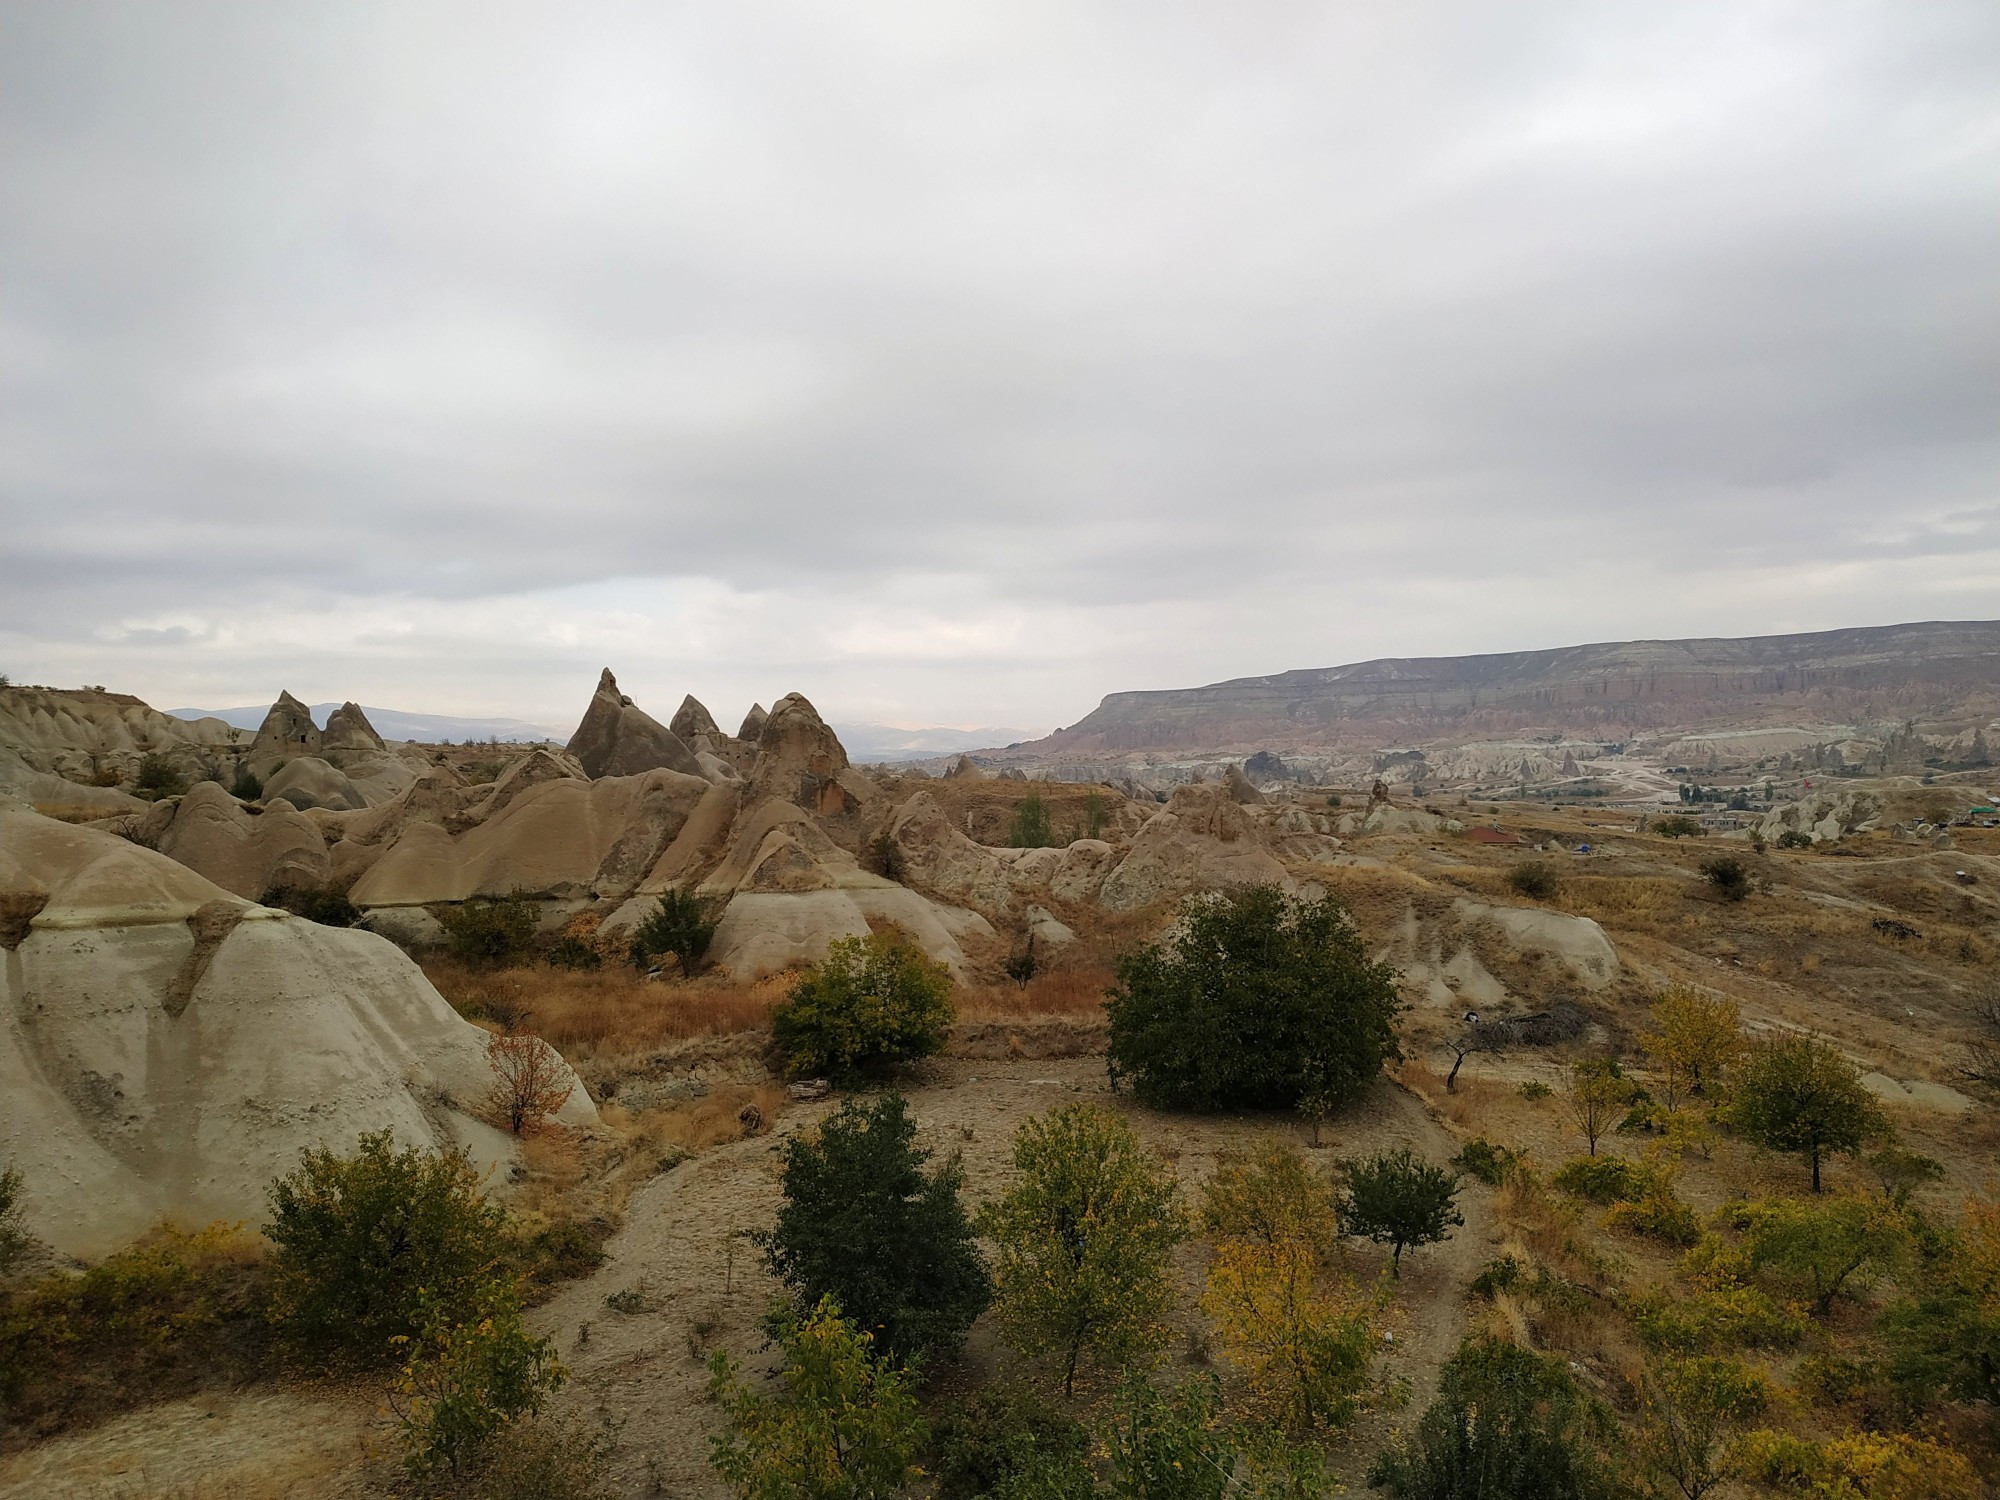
column 886, row 742
column 394, row 724
column 1936, row 669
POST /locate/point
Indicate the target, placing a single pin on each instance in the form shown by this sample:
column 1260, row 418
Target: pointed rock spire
column 691, row 719
column 618, row 738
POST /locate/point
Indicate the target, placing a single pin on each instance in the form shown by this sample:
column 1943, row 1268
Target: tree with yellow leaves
column 1693, row 1039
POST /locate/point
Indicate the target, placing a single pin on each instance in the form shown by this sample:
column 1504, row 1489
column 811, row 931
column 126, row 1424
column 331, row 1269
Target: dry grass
column 592, row 1014
column 1057, row 992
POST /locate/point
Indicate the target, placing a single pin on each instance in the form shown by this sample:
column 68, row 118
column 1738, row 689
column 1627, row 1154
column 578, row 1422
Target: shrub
column 1944, row 1333
column 1817, row 1250
column 572, row 952
column 559, row 1251
column 1536, row 879
column 1792, row 838
column 1861, row 1465
column 14, row 1237
column 885, row 857
column 246, row 787
column 988, row 1442
column 1726, row 873
column 490, row 930
column 1654, row 1209
column 1255, row 1001
column 1689, row 1409
column 1397, row 1199
column 1029, row 828
column 1489, row 1163
column 1169, row 1446
column 1507, row 1422
column 1600, row 1179
column 158, row 778
column 1678, row 826
column 865, row 1224
column 1714, row 1320
column 551, row 1458
column 370, row 1245
column 1694, row 1038
column 1274, row 1198
column 472, row 1371
column 1798, row 1094
column 531, row 1082
column 678, row 924
column 1021, row 966
column 1302, row 1339
column 1535, row 1088
column 1084, row 1237
column 870, row 1003
column 328, row 908
column 1598, row 1089
column 843, row 1426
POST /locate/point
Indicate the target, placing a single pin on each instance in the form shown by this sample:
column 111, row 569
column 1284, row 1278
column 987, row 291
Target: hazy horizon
column 960, row 367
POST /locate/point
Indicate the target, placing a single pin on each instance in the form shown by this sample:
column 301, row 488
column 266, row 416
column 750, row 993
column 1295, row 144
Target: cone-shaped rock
column 753, row 724
column 288, row 730
column 347, row 728
column 1239, row 787
column 801, row 760
column 618, row 738
column 963, row 769
column 691, row 719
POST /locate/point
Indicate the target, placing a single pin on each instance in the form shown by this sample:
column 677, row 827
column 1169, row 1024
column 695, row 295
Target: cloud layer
column 964, row 363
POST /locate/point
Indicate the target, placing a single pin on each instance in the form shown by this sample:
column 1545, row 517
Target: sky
column 959, row 364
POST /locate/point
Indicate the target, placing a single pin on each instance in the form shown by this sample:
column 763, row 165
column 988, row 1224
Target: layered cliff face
column 1610, row 691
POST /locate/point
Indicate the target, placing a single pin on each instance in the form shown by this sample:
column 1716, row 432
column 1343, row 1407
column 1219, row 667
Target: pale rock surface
column 945, row 862
column 186, row 1046
column 1239, row 788
column 380, row 777
column 1047, row 930
column 715, row 768
column 308, row 782
column 347, row 728
column 246, row 854
column 1384, row 817
column 618, row 738
column 1822, row 815
column 1577, row 943
column 76, row 732
column 691, row 719
column 1201, row 840
column 752, row 728
column 287, row 730
column 800, row 759
column 1082, row 869
column 57, row 796
column 963, row 769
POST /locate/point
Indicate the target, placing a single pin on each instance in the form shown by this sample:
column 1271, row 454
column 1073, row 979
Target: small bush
column 1678, row 827
column 1599, row 1179
column 1534, row 1088
column 246, row 787
column 1792, row 838
column 1726, row 873
column 871, row 1003
column 1029, row 828
column 1022, row 965
column 328, row 908
column 158, row 778
column 546, row 1458
column 885, row 857
column 572, row 952
column 560, row 1251
column 1536, row 879
column 490, row 930
column 1398, row 1199
column 1499, row 1275
column 1333, row 800
column 1487, row 1162
column 370, row 1245
column 472, row 1371
column 530, row 1083
column 1715, row 1320
column 14, row 1236
column 1000, row 1433
column 1655, row 1210
column 678, row 924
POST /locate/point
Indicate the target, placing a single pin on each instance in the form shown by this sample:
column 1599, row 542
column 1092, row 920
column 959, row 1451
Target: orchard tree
column 1694, row 1037
column 1255, row 1000
column 1597, row 1090
column 864, row 1223
column 1084, row 1236
column 870, row 1003
column 1398, row 1199
column 1689, row 1413
column 1798, row 1094
column 1818, row 1249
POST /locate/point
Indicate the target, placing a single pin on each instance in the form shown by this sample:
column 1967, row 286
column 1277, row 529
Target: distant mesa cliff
column 1602, row 691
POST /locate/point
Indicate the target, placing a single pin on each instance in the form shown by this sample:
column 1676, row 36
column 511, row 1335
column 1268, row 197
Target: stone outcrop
column 309, row 782
column 618, row 738
column 1201, row 840
column 187, row 1045
column 945, row 862
column 287, row 731
column 246, row 854
column 801, row 760
column 347, row 728
column 692, row 719
column 753, row 724
column 1239, row 788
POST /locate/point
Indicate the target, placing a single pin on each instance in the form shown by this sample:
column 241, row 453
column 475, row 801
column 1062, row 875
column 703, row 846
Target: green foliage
column 1273, row 1198
column 1719, row 1312
column 1902, row 1172
column 678, row 924
column 1029, row 828
column 1003, row 1437
column 1653, row 1209
column 556, row 1252
column 1397, row 1199
column 157, row 777
column 1726, row 873
column 572, row 952
column 1814, row 1251
column 1255, row 1001
column 1536, row 879
column 885, row 857
column 13, row 1226
column 1678, row 827
column 1170, row 1446
column 870, row 1003
column 1535, row 1088
column 1600, row 1179
column 1689, row 1411
column 865, row 1224
column 1093, row 816
column 490, row 930
column 1799, row 1094
column 371, row 1245
column 1944, row 1333
column 1084, row 1237
column 844, row 1426
column 471, row 1371
column 1481, row 1159
column 1792, row 838
column 1507, row 1424
column 1021, row 966
column 246, row 787
column 1858, row 1466
column 550, row 1458
column 328, row 908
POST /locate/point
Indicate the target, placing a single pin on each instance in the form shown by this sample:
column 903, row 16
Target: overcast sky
column 958, row 364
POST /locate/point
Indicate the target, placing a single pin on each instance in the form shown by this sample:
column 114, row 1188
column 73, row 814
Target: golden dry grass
column 588, row 1014
column 1057, row 992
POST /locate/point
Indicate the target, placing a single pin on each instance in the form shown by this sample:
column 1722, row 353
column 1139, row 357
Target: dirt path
column 689, row 1278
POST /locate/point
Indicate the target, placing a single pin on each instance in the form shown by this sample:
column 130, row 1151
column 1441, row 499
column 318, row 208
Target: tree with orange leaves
column 530, row 1081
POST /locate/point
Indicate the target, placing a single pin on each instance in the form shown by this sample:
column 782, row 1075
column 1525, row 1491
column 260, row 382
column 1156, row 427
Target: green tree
column 1029, row 828
column 871, row 1002
column 1798, row 1094
column 246, row 787
column 1694, row 1037
column 1396, row 1198
column 1507, row 1424
column 370, row 1245
column 678, row 924
column 1084, row 1237
column 158, row 778
column 1815, row 1251
column 490, row 930
column 1597, row 1091
column 1726, row 873
column 1170, row 1446
column 865, row 1224
column 1944, row 1333
column 13, row 1228
column 1273, row 1198
column 471, row 1372
column 1255, row 1001
column 1006, row 1439
column 845, row 1426
column 1689, row 1411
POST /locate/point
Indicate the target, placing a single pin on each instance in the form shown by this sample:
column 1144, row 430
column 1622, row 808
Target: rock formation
column 308, row 782
column 186, row 1045
column 618, row 738
column 801, row 760
column 1201, row 840
column 692, row 719
column 248, row 855
column 288, row 730
column 753, row 724
column 347, row 728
